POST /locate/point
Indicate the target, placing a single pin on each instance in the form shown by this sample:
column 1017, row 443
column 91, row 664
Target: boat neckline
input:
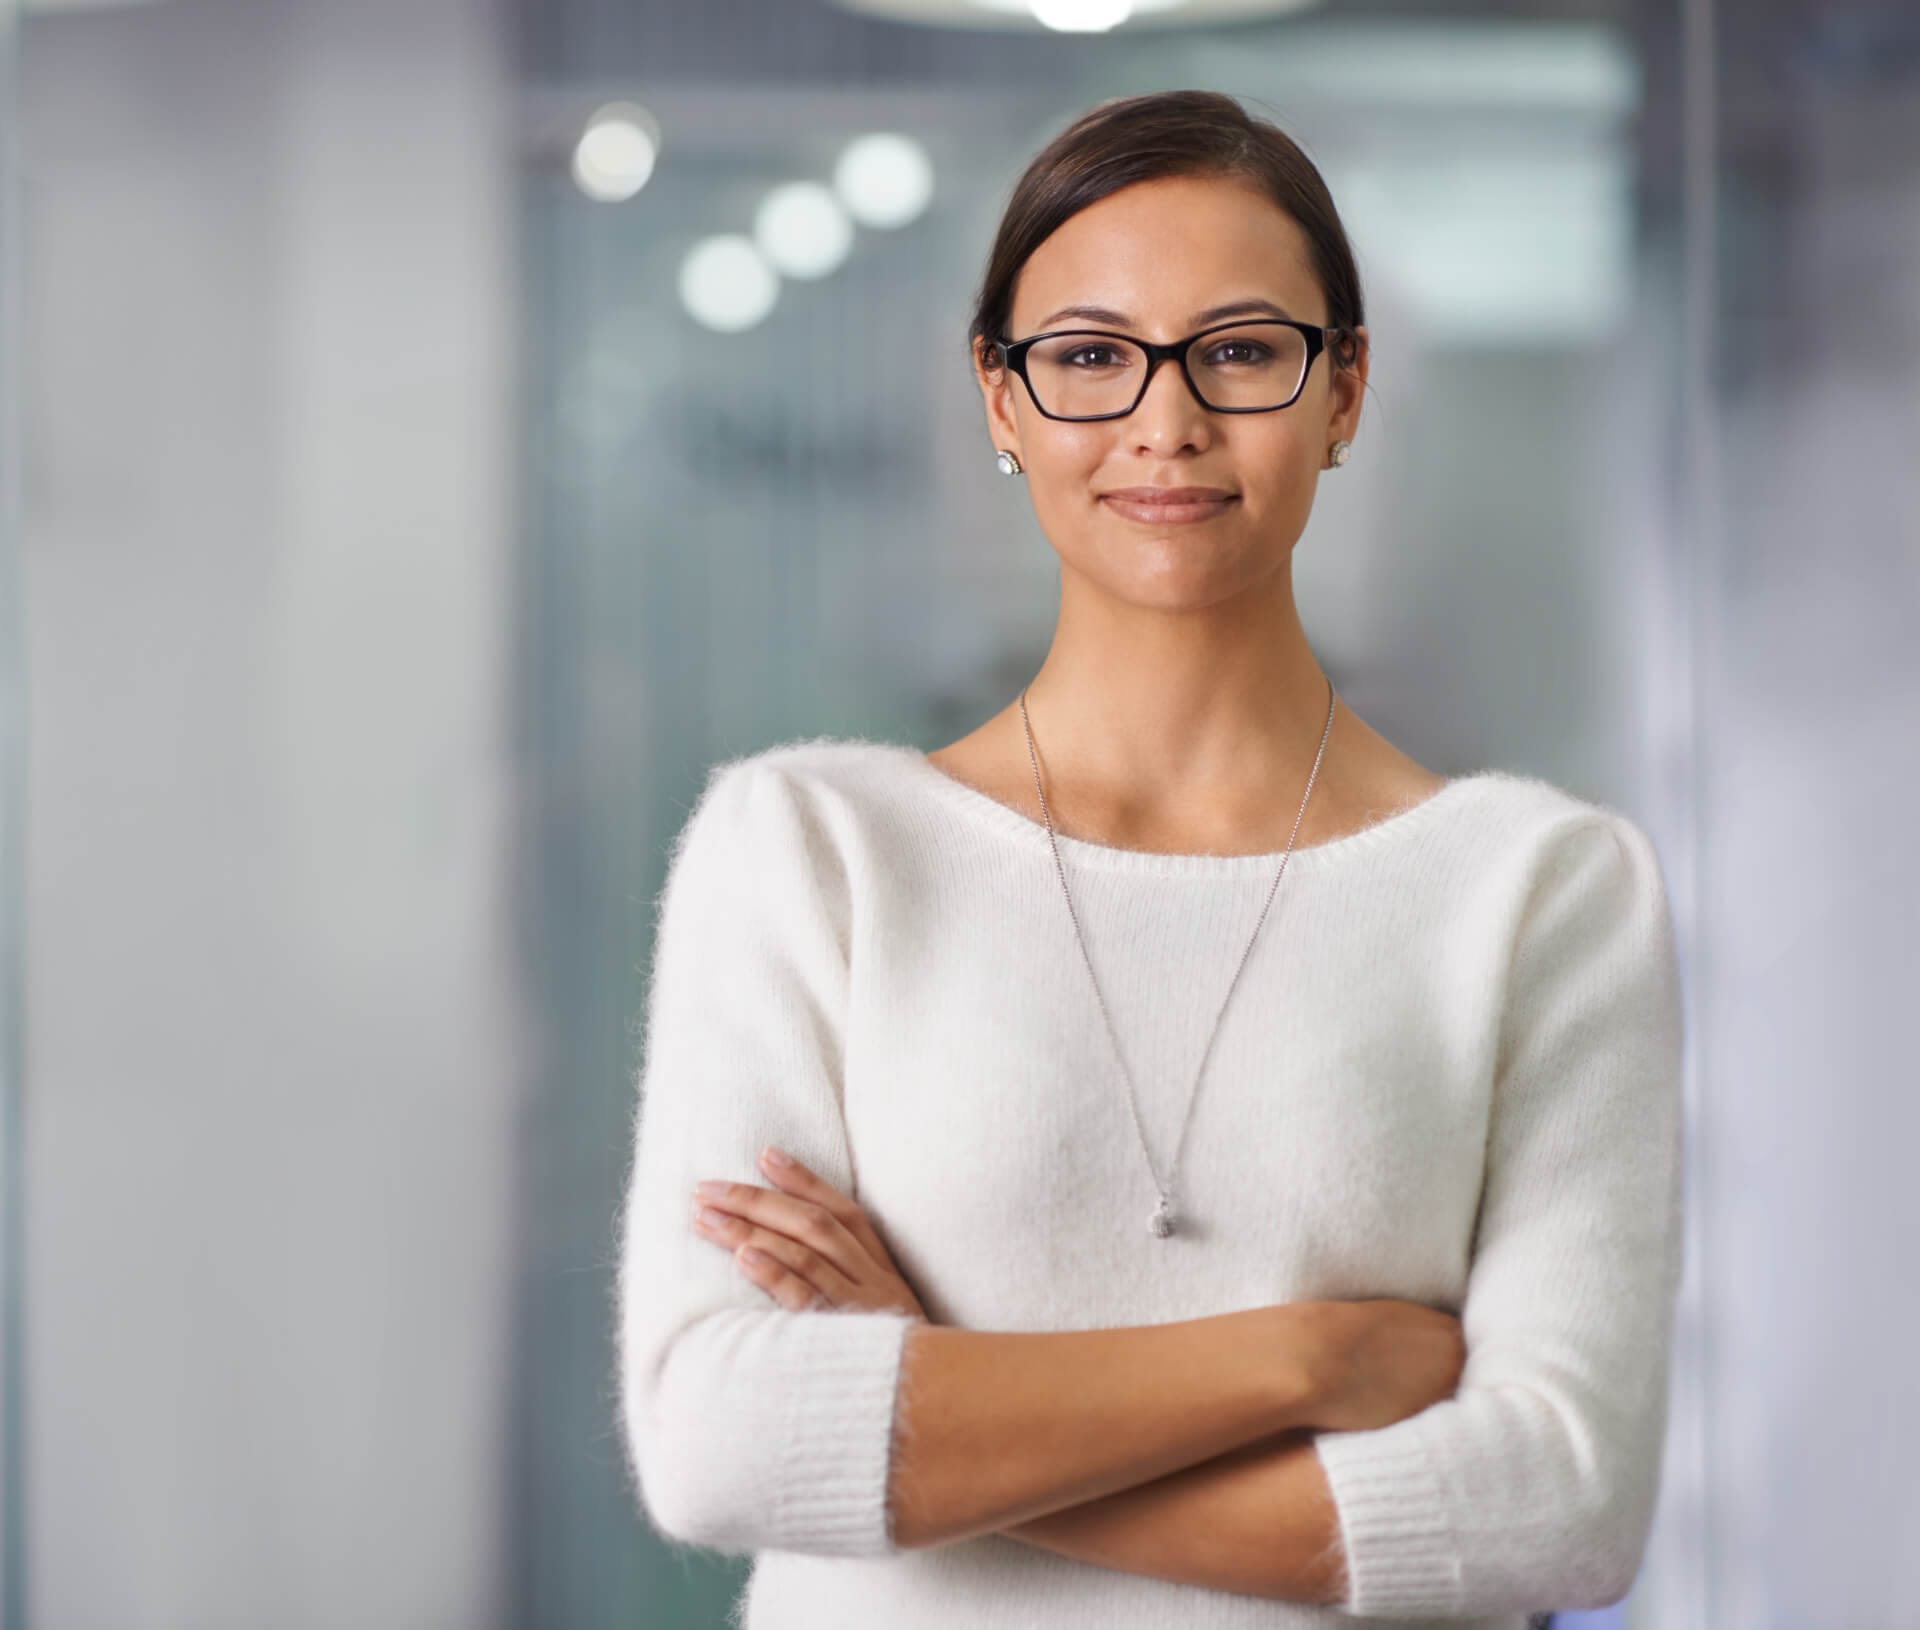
column 989, row 812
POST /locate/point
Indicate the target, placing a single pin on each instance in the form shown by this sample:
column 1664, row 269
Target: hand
column 1378, row 1361
column 817, row 1247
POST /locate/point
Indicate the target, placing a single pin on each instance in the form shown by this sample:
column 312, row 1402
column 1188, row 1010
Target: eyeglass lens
column 1254, row 365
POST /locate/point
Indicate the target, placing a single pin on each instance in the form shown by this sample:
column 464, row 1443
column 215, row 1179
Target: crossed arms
column 1075, row 1442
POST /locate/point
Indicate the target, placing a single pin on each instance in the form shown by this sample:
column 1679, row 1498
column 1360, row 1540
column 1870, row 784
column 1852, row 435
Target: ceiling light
column 616, row 152
column 802, row 229
column 726, row 284
column 1081, row 16
column 884, row 179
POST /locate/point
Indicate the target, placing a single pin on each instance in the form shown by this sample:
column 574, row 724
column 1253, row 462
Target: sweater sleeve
column 747, row 1426
column 1533, row 1487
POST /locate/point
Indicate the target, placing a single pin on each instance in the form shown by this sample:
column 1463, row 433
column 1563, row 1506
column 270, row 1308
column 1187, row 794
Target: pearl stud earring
column 1009, row 463
column 1339, row 454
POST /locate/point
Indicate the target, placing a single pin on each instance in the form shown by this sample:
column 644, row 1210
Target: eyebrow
column 1234, row 308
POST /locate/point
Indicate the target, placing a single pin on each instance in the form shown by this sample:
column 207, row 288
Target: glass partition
column 795, row 526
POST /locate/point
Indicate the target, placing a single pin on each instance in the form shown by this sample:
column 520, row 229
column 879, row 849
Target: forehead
column 1159, row 253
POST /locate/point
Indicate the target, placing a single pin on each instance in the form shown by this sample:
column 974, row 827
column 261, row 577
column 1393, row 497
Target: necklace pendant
column 1161, row 1223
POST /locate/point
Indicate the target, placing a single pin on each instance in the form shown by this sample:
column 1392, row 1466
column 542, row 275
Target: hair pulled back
column 1128, row 139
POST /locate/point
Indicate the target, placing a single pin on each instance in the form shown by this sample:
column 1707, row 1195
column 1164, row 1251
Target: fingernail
column 710, row 1190
column 775, row 1158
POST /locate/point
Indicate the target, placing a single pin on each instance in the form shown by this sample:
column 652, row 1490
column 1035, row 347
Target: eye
column 1079, row 351
column 1259, row 352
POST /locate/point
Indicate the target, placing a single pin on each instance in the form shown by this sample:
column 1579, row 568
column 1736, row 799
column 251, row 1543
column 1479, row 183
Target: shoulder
column 1585, row 900
column 812, row 764
column 807, row 797
column 1555, row 874
column 1586, row 846
column 807, row 776
column 1547, row 832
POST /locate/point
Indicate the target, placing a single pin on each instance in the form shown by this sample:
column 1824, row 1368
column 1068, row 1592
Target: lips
column 1161, row 506
column 1168, row 495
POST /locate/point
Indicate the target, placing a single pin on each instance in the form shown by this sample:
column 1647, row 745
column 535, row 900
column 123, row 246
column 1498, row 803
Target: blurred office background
column 415, row 469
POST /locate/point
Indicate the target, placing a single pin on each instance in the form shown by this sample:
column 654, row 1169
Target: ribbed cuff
column 831, row 1498
column 1403, row 1560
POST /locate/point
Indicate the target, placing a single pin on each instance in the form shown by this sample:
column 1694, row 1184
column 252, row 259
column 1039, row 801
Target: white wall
column 272, row 1067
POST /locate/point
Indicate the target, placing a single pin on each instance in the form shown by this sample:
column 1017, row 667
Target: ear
column 997, row 386
column 1347, row 390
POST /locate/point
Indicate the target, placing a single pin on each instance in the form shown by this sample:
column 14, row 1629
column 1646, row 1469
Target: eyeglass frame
column 1014, row 354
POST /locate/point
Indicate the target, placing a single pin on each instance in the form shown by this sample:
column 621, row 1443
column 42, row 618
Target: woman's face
column 1158, row 255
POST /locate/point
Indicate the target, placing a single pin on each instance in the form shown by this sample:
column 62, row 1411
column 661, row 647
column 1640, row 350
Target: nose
column 1169, row 414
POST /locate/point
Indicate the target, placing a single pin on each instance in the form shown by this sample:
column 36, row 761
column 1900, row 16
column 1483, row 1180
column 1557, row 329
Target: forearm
column 994, row 1429
column 1259, row 1521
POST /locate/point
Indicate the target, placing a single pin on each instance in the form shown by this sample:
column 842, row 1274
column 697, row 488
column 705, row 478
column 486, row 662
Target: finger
column 772, row 1276
column 803, row 1220
column 800, row 1180
column 819, row 1271
column 786, row 1274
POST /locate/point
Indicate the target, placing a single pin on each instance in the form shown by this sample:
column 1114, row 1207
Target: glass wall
column 797, row 528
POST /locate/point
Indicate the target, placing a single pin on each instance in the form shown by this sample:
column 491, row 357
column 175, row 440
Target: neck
column 1139, row 704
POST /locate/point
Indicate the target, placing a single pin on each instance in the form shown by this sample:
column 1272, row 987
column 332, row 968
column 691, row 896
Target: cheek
column 1281, row 454
column 1064, row 469
column 1072, row 455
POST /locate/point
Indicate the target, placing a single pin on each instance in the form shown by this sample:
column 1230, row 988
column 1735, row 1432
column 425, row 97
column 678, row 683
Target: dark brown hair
column 1143, row 138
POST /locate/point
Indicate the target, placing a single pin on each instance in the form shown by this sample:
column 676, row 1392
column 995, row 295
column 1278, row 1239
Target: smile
column 1164, row 514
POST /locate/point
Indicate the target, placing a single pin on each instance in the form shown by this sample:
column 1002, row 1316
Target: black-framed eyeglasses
column 1250, row 366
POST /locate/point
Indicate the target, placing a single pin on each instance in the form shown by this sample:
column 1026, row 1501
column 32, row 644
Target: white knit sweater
column 1450, row 1072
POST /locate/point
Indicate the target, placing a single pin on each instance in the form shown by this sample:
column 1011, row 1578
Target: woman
column 1233, row 1170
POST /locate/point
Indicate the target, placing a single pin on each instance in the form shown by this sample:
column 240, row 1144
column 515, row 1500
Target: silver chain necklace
column 1160, row 1224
